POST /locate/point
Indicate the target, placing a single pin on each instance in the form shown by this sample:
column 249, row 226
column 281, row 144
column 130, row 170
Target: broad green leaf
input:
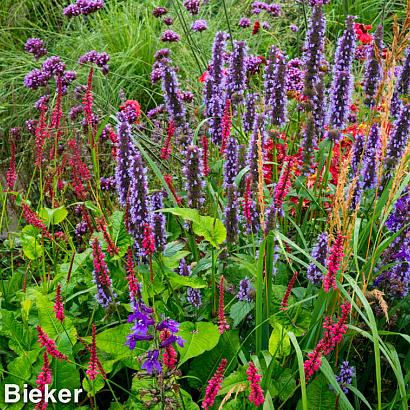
column 80, row 260
column 65, row 375
column 199, row 337
column 93, row 386
column 240, row 310
column 279, row 342
column 191, row 281
column 185, row 213
column 31, row 247
column 236, row 379
column 59, row 214
column 319, row 396
column 212, row 229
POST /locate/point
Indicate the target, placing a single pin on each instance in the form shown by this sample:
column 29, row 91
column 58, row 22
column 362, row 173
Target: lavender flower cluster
column 36, row 47
column 83, row 7
column 99, row 59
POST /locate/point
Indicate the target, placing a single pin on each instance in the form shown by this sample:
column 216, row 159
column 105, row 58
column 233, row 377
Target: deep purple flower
column 253, row 64
column 345, row 377
column 159, row 11
column 313, row 49
column 168, row 21
column 138, row 199
column 400, row 215
column 270, row 75
column 99, row 59
column 107, row 184
column 194, row 178
column 294, row 28
column 371, row 158
column 278, row 100
column 174, row 104
column 35, row 79
column 151, row 363
column 214, row 95
column 170, row 36
column 373, row 68
column 199, row 25
column 124, row 152
column 358, row 148
column 83, row 7
column 236, row 81
column 274, row 10
column 319, row 104
column 80, row 229
column 342, row 83
column 244, row 22
column 249, row 116
column 158, row 221
column 184, row 269
column 231, row 214
column 154, row 112
column 398, row 139
column 402, row 86
column 309, row 144
column 266, row 25
column 31, row 126
column 246, row 291
column 192, row 6
column 36, row 47
column 319, row 254
column 194, row 297
column 318, row 2
column 42, row 101
column 53, row 66
column 231, row 161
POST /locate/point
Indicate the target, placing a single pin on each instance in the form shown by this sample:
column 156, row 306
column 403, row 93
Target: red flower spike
column 166, row 149
column 43, row 379
column 112, row 248
column 100, row 266
column 285, row 299
column 49, row 344
column 223, row 325
column 333, row 263
column 93, row 369
column 170, row 355
column 226, row 125
column 256, row 396
column 58, row 304
column 148, row 242
column 41, row 133
column 33, row 219
column 168, row 181
column 205, row 164
column 214, row 385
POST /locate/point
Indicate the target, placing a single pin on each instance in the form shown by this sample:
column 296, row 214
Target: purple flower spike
column 231, row 161
column 194, row 178
column 250, row 112
column 373, row 68
column 371, row 158
column 99, row 59
column 236, row 82
column 36, row 47
column 158, row 221
column 231, row 214
column 319, row 254
column 246, row 291
column 313, row 49
column 398, row 140
column 194, row 297
column 83, row 7
column 345, row 377
column 138, row 194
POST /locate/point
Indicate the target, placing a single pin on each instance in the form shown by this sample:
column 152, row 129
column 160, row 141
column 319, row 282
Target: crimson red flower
column 166, row 149
column 43, row 379
column 256, row 28
column 222, row 323
column 49, row 344
column 112, row 248
column 333, row 263
column 33, row 219
column 93, row 370
column 226, row 124
column 148, row 242
column 58, row 304
column 203, row 76
column 362, row 33
column 132, row 104
column 285, row 299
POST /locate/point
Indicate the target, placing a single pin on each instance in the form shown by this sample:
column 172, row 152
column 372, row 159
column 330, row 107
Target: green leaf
column 240, row 310
column 199, row 337
column 65, row 375
column 279, row 342
column 212, row 229
column 236, row 379
column 53, row 216
column 80, row 259
column 31, row 247
column 93, row 386
column 191, row 281
column 204, row 366
column 319, row 396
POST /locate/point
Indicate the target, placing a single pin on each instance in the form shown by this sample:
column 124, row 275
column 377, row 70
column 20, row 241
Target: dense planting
column 238, row 240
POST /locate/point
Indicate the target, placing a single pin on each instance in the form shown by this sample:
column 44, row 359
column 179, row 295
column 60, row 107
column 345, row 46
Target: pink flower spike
column 43, row 379
column 93, row 370
column 49, row 344
column 58, row 304
column 214, row 385
column 335, row 258
column 256, row 396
